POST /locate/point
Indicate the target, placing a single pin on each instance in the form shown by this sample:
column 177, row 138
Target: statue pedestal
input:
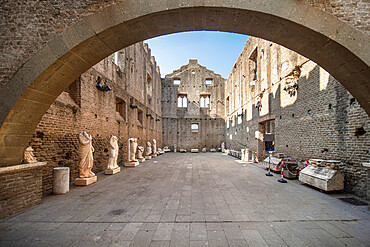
column 132, row 164
column 148, row 157
column 85, row 181
column 141, row 160
column 112, row 171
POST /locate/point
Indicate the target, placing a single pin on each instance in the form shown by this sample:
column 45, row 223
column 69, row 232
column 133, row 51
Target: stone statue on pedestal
column 174, row 148
column 154, row 147
column 131, row 152
column 113, row 167
column 85, row 155
column 28, row 156
column 148, row 151
column 85, row 160
column 140, row 152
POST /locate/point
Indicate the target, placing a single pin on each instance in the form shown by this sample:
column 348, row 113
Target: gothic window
column 182, row 100
column 205, row 100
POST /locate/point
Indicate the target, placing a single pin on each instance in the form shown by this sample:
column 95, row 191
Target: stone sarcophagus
column 275, row 163
column 323, row 174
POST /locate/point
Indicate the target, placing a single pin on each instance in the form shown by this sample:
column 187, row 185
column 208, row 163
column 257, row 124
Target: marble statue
column 131, row 149
column 223, row 147
column 28, row 156
column 113, row 167
column 85, row 155
column 154, row 147
column 113, row 155
column 148, row 151
column 131, row 152
column 148, row 148
column 140, row 152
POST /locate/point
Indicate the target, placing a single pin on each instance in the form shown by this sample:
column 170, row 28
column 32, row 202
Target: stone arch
column 339, row 48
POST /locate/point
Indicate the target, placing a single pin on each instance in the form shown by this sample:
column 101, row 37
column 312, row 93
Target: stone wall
column 29, row 25
column 20, row 188
column 135, row 80
column 178, row 121
column 317, row 120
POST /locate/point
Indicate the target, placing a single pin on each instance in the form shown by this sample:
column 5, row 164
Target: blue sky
column 217, row 51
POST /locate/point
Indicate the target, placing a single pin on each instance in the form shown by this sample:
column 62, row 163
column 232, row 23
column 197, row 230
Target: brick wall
column 19, row 190
column 319, row 120
column 29, row 25
column 83, row 107
column 177, row 121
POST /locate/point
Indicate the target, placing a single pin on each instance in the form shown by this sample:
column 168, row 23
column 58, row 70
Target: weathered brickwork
column 355, row 12
column 203, row 91
column 320, row 119
column 135, row 80
column 19, row 190
column 29, row 25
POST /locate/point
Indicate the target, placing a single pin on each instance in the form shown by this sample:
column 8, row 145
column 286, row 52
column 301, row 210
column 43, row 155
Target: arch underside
column 334, row 45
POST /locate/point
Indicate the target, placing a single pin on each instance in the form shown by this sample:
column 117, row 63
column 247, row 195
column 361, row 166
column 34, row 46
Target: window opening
column 121, row 108
column 176, row 81
column 140, row 116
column 205, row 100
column 209, row 81
column 194, row 127
column 182, row 100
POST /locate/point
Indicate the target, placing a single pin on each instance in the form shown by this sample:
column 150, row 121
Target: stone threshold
column 21, row 167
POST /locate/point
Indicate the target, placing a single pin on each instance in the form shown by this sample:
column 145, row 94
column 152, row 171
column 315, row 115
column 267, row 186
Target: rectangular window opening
column 140, row 116
column 176, row 81
column 194, row 127
column 209, row 81
column 121, row 108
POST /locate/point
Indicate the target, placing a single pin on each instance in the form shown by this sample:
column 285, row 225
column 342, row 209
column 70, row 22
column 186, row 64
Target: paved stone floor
column 190, row 200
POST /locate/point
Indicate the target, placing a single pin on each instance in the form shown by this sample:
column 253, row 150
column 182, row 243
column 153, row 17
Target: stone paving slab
column 203, row 199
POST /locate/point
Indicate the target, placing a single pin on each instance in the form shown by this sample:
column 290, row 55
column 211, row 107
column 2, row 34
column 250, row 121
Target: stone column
column 60, row 180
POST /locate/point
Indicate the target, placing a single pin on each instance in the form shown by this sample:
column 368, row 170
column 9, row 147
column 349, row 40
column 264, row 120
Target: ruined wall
column 317, row 120
column 135, row 80
column 28, row 25
column 177, row 121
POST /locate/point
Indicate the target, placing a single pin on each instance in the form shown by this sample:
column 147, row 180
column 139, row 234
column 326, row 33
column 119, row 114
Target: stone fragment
column 60, row 180
column 323, row 177
column 140, row 152
column 29, row 157
column 204, row 150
